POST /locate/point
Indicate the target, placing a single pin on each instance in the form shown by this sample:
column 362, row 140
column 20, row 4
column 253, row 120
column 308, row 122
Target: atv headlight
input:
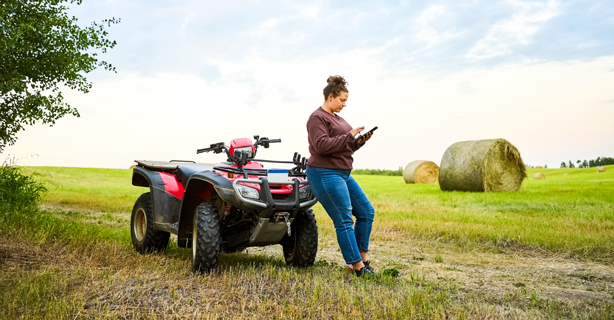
column 248, row 192
column 304, row 192
column 246, row 150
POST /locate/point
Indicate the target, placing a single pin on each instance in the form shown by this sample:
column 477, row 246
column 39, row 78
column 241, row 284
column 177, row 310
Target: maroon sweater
column 330, row 142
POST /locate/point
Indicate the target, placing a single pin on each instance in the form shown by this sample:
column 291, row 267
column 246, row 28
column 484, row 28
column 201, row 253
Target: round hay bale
column 601, row 169
column 421, row 171
column 491, row 165
column 539, row 176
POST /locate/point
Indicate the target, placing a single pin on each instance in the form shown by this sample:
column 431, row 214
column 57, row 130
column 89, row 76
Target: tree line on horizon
column 379, row 172
column 600, row 161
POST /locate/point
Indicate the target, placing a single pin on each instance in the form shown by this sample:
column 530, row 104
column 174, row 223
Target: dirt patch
column 538, row 275
column 18, row 255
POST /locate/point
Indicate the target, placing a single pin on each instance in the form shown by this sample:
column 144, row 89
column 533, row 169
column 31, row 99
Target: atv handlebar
column 240, row 158
column 264, row 141
column 215, row 147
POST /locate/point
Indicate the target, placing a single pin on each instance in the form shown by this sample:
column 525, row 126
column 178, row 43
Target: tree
column 41, row 49
column 570, row 165
column 563, row 165
column 584, row 164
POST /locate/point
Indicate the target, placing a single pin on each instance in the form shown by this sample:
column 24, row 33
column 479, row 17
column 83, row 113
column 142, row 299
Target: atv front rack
column 257, row 172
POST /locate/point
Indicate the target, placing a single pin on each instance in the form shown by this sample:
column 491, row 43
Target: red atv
column 225, row 207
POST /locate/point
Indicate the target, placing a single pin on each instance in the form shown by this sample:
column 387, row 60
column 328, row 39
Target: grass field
column 546, row 251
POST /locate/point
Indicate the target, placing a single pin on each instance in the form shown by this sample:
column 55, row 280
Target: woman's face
column 338, row 103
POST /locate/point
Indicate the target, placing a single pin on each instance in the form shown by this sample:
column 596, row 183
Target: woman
column 332, row 141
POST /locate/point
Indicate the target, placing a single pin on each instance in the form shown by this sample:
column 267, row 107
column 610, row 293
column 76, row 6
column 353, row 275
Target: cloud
column 427, row 24
column 195, row 37
column 516, row 31
column 209, row 72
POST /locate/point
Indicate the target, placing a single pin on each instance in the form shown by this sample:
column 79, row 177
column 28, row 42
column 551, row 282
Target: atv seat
column 184, row 172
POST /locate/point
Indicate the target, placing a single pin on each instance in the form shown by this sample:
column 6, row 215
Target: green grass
column 571, row 213
column 93, row 189
column 74, row 259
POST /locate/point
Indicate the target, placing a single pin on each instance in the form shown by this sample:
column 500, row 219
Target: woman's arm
column 322, row 143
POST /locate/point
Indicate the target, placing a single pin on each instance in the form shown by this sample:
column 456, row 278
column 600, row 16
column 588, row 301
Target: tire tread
column 306, row 241
column 155, row 240
column 208, row 240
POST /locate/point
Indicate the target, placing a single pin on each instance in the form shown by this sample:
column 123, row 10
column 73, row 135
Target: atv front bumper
column 266, row 204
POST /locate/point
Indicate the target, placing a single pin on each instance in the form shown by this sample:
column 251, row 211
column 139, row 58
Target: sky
column 539, row 74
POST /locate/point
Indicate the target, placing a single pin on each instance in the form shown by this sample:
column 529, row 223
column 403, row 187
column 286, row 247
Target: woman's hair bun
column 336, row 85
column 336, row 80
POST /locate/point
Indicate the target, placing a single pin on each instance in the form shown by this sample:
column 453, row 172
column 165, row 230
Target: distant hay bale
column 491, row 165
column 421, row 171
column 601, row 169
column 539, row 176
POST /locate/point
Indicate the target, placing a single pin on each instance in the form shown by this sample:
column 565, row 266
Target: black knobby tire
column 145, row 238
column 206, row 238
column 301, row 247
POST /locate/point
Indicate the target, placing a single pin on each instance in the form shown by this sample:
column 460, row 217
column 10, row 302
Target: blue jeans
column 342, row 197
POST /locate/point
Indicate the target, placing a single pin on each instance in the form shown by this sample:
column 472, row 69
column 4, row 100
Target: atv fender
column 165, row 205
column 202, row 186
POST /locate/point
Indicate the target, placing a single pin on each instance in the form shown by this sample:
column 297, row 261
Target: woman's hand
column 364, row 138
column 356, row 131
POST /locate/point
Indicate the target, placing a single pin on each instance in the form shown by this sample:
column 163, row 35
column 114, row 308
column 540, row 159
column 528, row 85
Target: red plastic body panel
column 241, row 143
column 176, row 188
column 171, row 185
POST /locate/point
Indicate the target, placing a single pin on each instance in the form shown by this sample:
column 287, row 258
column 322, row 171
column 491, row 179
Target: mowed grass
column 75, row 259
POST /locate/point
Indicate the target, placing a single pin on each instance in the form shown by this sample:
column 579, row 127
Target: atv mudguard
column 165, row 205
column 200, row 187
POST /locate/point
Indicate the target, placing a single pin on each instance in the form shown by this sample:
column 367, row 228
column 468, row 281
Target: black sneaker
column 368, row 266
column 364, row 272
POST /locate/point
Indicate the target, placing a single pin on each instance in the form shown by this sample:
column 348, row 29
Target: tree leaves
column 41, row 49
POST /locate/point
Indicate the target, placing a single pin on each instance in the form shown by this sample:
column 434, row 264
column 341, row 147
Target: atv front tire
column 301, row 247
column 206, row 238
column 145, row 238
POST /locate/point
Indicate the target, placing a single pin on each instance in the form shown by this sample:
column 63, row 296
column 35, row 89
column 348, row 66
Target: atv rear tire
column 301, row 247
column 145, row 238
column 206, row 238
